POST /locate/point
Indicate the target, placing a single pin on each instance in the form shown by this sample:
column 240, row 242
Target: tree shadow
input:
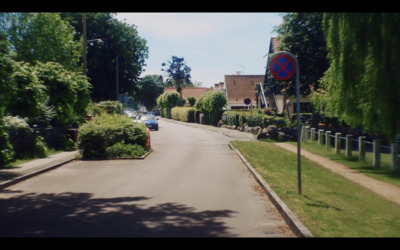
column 80, row 215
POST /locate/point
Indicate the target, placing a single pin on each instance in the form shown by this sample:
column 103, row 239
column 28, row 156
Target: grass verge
column 384, row 173
column 330, row 205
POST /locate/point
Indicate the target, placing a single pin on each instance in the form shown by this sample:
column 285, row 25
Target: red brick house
column 239, row 87
column 189, row 91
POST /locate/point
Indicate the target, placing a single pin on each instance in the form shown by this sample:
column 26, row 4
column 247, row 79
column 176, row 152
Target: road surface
column 191, row 185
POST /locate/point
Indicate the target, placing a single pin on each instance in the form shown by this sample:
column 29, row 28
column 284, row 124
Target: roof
column 239, row 87
column 189, row 91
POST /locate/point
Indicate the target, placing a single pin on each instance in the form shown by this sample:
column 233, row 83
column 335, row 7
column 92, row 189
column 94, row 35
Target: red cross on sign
column 282, row 66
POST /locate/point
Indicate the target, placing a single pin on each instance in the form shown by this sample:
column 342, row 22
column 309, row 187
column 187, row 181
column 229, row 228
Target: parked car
column 150, row 120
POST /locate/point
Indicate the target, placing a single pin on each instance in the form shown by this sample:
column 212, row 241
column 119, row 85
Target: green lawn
column 384, row 173
column 330, row 205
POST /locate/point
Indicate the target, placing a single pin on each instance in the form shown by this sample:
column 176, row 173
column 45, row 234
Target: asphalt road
column 191, row 185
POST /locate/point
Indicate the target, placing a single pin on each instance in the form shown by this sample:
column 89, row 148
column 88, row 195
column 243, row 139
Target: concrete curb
column 290, row 218
column 29, row 175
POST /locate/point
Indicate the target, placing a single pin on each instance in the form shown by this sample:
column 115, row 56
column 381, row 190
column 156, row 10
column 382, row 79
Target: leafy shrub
column 26, row 143
column 6, row 149
column 121, row 149
column 96, row 136
column 184, row 114
column 254, row 118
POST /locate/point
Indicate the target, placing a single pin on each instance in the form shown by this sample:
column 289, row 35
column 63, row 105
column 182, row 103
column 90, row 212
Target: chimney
column 238, row 73
column 216, row 86
column 221, row 85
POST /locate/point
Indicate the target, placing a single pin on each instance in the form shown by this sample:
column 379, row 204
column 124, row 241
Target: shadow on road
column 80, row 215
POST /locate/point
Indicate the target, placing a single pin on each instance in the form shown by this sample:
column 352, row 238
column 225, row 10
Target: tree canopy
column 361, row 87
column 149, row 88
column 178, row 73
column 302, row 35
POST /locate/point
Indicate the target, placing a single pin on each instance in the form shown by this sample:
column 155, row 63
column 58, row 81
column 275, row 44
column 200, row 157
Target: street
column 191, row 185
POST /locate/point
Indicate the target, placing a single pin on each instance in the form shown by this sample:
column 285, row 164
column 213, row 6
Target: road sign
column 282, row 66
column 247, row 101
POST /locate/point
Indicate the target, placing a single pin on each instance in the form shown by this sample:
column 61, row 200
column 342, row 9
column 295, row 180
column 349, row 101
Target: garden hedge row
column 253, row 118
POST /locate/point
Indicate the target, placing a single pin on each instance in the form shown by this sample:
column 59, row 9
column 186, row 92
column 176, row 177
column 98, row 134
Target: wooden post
column 312, row 134
column 320, row 138
column 376, row 161
column 337, row 143
column 328, row 139
column 361, row 148
column 348, row 145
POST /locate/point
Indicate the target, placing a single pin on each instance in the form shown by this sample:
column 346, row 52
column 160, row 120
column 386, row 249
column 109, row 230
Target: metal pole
column 298, row 125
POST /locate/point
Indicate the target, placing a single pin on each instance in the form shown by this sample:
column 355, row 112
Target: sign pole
column 282, row 66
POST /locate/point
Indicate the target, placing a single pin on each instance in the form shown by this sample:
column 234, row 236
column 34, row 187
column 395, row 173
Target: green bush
column 26, row 143
column 121, row 149
column 96, row 136
column 253, row 118
column 184, row 114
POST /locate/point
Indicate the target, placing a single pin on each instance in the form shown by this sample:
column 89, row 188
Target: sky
column 212, row 44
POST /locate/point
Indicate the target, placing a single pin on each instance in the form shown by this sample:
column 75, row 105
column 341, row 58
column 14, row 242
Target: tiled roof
column 239, row 87
column 189, row 91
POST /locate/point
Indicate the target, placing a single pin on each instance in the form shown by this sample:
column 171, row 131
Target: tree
column 122, row 44
column 178, row 73
column 44, row 37
column 361, row 86
column 212, row 102
column 302, row 35
column 149, row 88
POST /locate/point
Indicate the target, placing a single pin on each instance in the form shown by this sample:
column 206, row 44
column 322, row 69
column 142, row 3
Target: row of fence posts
column 309, row 134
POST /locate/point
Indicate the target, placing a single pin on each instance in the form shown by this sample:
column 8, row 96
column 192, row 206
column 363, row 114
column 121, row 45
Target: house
column 238, row 87
column 196, row 92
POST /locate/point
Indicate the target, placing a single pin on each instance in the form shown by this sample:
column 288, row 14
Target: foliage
column 44, row 37
column 120, row 40
column 184, row 114
column 148, row 89
column 111, row 107
column 257, row 117
column 28, row 92
column 302, row 35
column 361, row 86
column 96, row 136
column 6, row 69
column 121, row 149
column 68, row 92
column 26, row 143
column 212, row 102
column 178, row 73
column 167, row 101
column 191, row 100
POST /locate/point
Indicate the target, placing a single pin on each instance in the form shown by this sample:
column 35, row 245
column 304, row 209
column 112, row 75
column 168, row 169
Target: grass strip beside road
column 330, row 205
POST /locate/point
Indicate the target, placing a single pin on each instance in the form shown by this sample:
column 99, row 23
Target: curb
column 29, row 175
column 290, row 218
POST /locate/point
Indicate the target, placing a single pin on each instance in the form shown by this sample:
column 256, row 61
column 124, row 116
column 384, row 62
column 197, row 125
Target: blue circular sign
column 282, row 66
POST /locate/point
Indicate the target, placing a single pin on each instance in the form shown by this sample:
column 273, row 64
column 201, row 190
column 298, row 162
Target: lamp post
column 85, row 42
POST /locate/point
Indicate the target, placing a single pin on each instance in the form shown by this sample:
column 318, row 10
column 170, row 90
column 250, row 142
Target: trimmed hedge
column 255, row 118
column 184, row 114
column 97, row 138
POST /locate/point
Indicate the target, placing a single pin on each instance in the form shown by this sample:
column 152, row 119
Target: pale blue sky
column 212, row 44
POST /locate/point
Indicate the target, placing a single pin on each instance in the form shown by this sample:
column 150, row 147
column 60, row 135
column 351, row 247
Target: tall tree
column 123, row 52
column 149, row 88
column 361, row 86
column 178, row 73
column 302, row 35
column 44, row 37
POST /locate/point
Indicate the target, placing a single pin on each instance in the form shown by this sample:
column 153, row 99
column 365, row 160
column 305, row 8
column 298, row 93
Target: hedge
column 96, row 137
column 253, row 118
column 184, row 114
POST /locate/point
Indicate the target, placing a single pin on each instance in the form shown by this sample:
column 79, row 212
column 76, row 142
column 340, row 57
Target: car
column 150, row 120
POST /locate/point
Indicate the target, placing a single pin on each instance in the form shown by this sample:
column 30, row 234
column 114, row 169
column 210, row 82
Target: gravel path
column 384, row 189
